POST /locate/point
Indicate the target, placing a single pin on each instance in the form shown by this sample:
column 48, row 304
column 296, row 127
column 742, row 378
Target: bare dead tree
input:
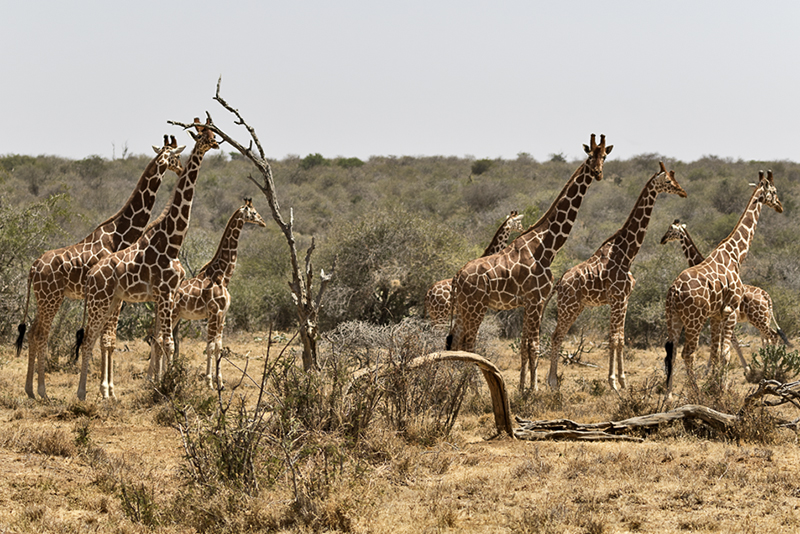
column 307, row 305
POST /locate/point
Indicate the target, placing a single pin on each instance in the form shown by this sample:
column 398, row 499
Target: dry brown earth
column 672, row 482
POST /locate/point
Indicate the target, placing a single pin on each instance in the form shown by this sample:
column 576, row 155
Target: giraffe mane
column 553, row 206
column 758, row 187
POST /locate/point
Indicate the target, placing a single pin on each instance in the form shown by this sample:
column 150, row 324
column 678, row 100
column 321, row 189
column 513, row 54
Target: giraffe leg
column 616, row 344
column 689, row 347
column 93, row 329
column 740, row 354
column 213, row 350
column 568, row 312
column 108, row 343
column 716, row 344
column 674, row 328
column 38, row 343
column 167, row 344
column 529, row 347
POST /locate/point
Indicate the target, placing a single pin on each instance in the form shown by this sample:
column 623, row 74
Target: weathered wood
column 497, row 386
column 566, row 429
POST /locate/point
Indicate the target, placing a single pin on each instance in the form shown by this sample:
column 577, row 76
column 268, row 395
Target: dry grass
column 101, row 466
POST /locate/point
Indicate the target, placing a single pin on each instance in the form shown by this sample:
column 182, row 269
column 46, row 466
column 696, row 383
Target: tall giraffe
column 61, row 273
column 605, row 278
column 206, row 295
column 147, row 271
column 520, row 274
column 755, row 306
column 712, row 288
column 437, row 299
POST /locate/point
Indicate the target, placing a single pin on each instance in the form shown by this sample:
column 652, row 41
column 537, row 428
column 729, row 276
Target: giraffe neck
column 223, row 263
column 174, row 220
column 690, row 249
column 127, row 225
column 734, row 248
column 630, row 237
column 550, row 233
column 499, row 240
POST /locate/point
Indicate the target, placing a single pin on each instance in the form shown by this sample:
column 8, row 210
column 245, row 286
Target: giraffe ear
column 179, row 149
column 663, row 169
column 587, row 149
column 608, row 149
column 156, row 149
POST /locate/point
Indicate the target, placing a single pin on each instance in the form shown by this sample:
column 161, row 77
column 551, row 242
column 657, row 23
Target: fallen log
column 607, row 430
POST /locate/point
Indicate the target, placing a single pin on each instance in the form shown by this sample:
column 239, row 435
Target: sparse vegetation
column 403, row 449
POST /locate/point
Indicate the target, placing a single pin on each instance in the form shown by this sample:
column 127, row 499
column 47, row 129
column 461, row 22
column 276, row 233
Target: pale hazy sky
column 361, row 78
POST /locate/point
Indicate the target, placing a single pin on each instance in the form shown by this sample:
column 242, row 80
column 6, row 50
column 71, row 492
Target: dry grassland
column 107, row 466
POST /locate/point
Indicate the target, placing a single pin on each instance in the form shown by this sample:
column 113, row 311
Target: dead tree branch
column 306, row 304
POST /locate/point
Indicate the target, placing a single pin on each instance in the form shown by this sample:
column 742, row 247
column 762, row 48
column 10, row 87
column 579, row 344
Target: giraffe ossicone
column 520, row 274
column 61, row 273
column 438, row 304
column 147, row 271
column 713, row 289
column 605, row 278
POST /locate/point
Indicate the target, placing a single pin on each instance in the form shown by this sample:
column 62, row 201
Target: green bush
column 480, row 166
column 349, row 163
column 312, row 160
column 772, row 362
column 385, row 263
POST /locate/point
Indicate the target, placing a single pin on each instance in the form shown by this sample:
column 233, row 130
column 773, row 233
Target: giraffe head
column 597, row 155
column 675, row 232
column 765, row 189
column 170, row 154
column 204, row 138
column 514, row 222
column 664, row 182
column 250, row 215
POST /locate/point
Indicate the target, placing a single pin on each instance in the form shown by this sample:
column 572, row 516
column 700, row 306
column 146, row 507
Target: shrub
column 349, row 163
column 772, row 362
column 312, row 160
column 480, row 166
column 385, row 263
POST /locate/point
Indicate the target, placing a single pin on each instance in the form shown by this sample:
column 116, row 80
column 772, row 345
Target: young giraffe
column 712, row 288
column 206, row 295
column 755, row 307
column 147, row 271
column 605, row 278
column 520, row 274
column 61, row 273
column 437, row 299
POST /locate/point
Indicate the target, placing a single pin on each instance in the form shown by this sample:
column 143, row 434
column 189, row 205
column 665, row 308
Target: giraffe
column 206, row 295
column 712, row 288
column 755, row 306
column 605, row 278
column 437, row 299
column 520, row 274
column 61, row 273
column 146, row 271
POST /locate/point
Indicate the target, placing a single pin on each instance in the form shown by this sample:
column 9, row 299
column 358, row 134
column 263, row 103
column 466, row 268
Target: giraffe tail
column 783, row 337
column 79, row 335
column 448, row 342
column 22, row 328
column 668, row 359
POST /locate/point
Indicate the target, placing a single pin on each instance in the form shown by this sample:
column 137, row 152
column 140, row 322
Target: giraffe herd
column 520, row 276
column 125, row 259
